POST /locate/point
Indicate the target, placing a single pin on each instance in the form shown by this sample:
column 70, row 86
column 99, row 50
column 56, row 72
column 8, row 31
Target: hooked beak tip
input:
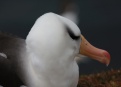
column 108, row 57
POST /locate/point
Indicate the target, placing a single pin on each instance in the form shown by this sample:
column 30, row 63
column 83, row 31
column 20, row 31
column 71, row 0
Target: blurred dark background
column 99, row 21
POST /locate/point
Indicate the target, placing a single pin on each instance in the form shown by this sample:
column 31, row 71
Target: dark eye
column 71, row 34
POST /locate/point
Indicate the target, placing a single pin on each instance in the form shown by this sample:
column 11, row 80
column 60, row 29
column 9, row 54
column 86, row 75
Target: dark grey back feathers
column 10, row 46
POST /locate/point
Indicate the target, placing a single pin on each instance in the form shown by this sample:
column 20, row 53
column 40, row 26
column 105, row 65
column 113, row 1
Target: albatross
column 47, row 57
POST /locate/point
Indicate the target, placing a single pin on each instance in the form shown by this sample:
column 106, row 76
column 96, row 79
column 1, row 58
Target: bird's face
column 85, row 48
column 54, row 36
column 95, row 53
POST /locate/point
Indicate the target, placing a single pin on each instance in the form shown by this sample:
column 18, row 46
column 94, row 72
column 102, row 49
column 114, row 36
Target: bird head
column 54, row 36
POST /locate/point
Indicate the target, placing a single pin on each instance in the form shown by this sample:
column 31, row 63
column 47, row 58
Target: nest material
column 110, row 78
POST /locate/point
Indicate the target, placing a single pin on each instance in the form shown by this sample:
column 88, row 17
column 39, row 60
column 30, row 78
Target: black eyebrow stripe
column 71, row 34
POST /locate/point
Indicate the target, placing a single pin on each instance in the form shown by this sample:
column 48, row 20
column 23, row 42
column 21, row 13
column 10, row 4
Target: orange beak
column 98, row 54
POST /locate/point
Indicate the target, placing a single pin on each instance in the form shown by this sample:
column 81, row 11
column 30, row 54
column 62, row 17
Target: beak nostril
column 85, row 43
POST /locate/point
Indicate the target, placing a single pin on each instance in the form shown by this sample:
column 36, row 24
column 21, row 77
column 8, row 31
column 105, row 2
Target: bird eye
column 72, row 35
